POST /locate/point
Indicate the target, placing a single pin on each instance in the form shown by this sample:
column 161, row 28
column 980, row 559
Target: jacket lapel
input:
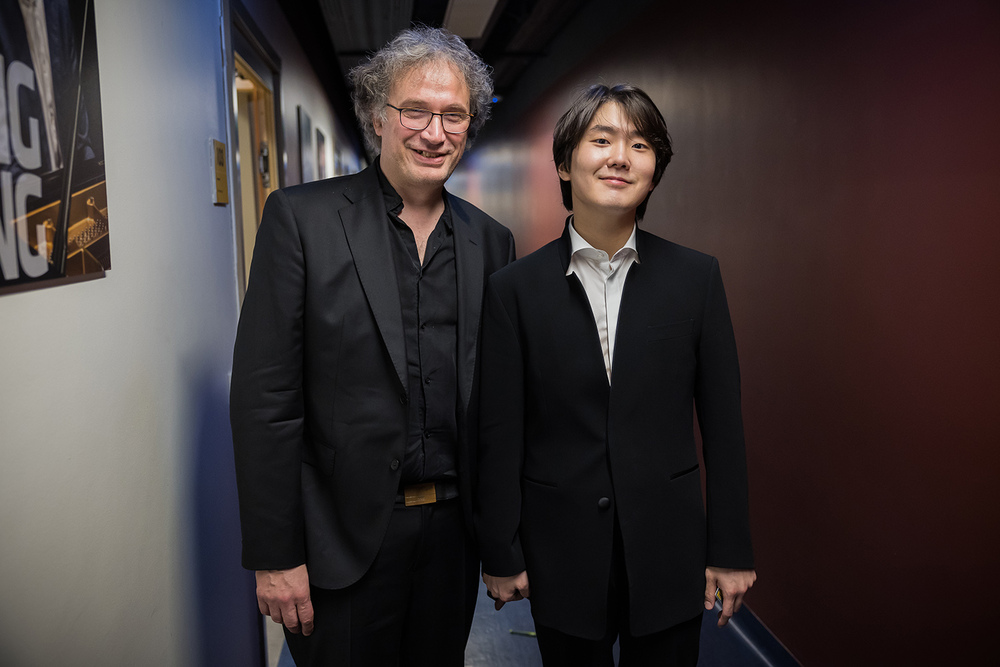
column 637, row 293
column 580, row 305
column 469, row 274
column 367, row 232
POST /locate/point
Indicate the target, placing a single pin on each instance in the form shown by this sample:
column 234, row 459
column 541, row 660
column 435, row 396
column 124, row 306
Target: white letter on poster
column 30, row 185
column 4, row 139
column 8, row 249
column 30, row 157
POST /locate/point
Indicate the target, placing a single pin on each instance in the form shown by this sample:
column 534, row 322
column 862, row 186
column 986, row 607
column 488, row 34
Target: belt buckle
column 419, row 494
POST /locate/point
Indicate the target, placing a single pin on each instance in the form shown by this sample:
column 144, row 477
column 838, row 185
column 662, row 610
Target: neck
column 607, row 233
column 418, row 202
column 423, row 204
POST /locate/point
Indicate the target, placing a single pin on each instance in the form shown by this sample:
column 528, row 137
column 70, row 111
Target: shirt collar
column 394, row 203
column 577, row 244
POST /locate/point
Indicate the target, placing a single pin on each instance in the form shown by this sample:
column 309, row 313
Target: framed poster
column 320, row 154
column 305, row 146
column 53, row 195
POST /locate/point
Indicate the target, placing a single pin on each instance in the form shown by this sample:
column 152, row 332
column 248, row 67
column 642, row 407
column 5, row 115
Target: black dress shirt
column 428, row 297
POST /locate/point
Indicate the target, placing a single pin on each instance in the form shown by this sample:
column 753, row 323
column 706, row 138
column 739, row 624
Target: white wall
column 118, row 536
column 300, row 87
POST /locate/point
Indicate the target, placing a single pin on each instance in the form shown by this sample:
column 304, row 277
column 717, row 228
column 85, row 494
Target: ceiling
column 509, row 34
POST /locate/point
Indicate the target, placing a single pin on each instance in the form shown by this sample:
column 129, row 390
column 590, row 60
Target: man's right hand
column 284, row 596
column 506, row 589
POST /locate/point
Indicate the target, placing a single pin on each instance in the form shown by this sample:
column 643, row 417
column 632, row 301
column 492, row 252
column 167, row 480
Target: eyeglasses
column 453, row 122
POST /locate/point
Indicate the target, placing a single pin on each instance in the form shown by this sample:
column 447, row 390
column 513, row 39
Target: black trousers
column 412, row 608
column 676, row 646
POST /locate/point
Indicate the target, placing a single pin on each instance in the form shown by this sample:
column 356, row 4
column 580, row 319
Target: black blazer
column 561, row 451
column 319, row 388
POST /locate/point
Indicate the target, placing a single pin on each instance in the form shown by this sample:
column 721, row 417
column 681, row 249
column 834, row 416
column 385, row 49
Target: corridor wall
column 119, row 539
column 839, row 158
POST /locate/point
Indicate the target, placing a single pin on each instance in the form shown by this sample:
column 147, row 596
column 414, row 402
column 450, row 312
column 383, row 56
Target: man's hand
column 733, row 583
column 284, row 596
column 506, row 589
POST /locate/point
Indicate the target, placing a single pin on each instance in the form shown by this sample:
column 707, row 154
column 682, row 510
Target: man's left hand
column 733, row 583
column 506, row 589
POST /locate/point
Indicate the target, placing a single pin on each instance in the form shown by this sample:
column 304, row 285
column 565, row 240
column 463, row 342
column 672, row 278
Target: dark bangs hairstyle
column 638, row 109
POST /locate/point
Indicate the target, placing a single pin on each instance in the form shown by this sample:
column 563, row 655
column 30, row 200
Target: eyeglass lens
column 419, row 119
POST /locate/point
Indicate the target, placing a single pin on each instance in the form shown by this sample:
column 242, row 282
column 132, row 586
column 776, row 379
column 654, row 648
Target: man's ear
column 377, row 124
column 563, row 172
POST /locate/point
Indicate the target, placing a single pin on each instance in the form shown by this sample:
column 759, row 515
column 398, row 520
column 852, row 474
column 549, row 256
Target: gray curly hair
column 372, row 80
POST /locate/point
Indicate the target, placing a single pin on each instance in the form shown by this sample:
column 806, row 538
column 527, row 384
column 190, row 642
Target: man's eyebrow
column 457, row 107
column 609, row 129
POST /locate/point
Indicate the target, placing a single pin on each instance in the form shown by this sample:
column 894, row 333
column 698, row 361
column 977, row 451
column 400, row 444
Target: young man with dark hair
column 353, row 371
column 595, row 349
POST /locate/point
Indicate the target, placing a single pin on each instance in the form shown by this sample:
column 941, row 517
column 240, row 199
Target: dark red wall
column 843, row 162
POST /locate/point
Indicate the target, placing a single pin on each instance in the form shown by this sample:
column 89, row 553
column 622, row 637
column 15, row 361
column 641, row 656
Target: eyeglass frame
column 431, row 118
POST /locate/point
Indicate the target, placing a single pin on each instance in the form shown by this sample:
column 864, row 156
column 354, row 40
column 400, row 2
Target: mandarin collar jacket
column 564, row 457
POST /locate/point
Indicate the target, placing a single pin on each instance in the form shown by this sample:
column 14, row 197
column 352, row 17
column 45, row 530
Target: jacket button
column 395, row 464
column 402, row 399
column 603, row 503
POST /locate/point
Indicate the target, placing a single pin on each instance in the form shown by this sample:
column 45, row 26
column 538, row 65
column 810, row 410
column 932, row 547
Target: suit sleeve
column 501, row 441
column 717, row 398
column 266, row 397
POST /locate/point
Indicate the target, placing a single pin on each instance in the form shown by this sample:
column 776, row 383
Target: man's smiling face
column 417, row 159
column 612, row 167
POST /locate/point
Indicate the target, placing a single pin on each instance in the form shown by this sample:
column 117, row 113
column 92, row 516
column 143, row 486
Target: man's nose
column 435, row 131
column 619, row 156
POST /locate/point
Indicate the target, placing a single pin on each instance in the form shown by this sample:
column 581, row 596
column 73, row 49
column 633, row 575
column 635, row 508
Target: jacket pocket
column 536, row 482
column 320, row 457
column 690, row 470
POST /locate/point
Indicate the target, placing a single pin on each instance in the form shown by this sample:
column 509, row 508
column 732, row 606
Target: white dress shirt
column 603, row 280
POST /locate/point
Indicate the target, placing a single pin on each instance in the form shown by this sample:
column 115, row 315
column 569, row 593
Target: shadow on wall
column 227, row 620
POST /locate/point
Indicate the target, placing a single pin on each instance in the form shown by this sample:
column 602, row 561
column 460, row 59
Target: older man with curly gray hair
column 418, row 46
column 353, row 374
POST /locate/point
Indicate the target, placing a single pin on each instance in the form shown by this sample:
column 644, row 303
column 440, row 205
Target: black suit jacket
column 556, row 439
column 319, row 386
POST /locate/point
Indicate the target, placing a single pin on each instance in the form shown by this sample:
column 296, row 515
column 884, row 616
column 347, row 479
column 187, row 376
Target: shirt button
column 395, row 464
column 603, row 503
column 427, row 380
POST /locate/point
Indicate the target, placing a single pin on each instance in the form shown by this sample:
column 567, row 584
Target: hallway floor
column 503, row 639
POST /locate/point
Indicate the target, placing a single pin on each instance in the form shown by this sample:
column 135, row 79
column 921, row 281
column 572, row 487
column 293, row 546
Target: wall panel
column 840, row 160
